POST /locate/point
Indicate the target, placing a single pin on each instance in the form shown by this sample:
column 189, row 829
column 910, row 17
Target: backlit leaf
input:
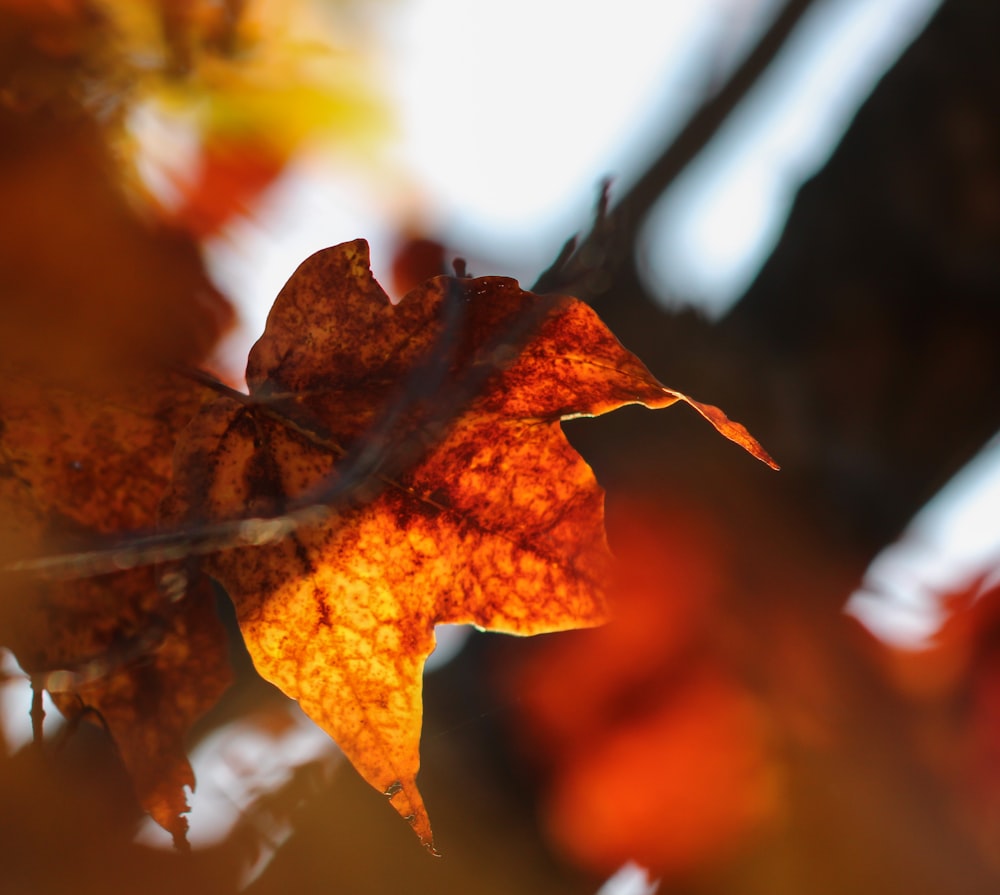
column 500, row 524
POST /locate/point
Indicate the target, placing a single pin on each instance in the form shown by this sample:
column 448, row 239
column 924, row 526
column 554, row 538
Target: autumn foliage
column 653, row 747
column 394, row 462
column 393, row 467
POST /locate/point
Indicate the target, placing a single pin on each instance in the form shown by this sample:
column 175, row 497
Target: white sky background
column 513, row 112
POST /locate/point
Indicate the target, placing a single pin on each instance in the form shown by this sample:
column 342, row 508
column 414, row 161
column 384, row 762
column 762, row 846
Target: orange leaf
column 230, row 176
column 499, row 525
column 114, row 648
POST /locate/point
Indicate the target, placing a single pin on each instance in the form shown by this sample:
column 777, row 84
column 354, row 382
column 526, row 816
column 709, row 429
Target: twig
column 37, row 713
column 608, row 245
column 433, row 399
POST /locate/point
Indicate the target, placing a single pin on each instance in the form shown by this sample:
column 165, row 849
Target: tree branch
column 612, row 239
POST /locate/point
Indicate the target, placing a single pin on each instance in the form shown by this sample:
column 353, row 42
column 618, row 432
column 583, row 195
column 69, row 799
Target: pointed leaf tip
column 731, row 429
column 500, row 523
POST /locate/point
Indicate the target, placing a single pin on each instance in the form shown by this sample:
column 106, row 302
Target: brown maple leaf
column 499, row 524
column 114, row 648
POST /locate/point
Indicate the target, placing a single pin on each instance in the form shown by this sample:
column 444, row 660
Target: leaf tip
column 178, row 828
column 411, row 809
column 734, row 431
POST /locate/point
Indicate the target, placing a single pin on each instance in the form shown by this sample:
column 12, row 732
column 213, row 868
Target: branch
column 432, row 399
column 610, row 241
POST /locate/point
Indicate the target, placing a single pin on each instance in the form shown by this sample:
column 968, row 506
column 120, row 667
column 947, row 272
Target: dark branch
column 404, row 432
column 613, row 236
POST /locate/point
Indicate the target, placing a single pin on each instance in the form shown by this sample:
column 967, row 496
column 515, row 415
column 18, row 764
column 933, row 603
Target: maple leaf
column 114, row 648
column 500, row 524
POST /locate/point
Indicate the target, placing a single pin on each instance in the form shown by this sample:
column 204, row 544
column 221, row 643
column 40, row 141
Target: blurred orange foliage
column 229, row 176
column 654, row 752
column 91, row 285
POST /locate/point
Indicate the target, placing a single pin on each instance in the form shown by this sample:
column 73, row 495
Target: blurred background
column 801, row 689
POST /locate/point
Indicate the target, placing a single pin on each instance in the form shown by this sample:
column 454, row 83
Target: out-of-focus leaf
column 416, row 259
column 89, row 286
column 653, row 750
column 230, row 176
column 672, row 788
column 260, row 85
column 114, row 649
column 255, row 82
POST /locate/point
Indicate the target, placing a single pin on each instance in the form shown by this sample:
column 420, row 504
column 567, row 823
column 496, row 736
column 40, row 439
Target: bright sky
column 953, row 539
column 710, row 234
column 512, row 112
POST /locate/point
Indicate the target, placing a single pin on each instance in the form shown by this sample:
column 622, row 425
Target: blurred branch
column 405, row 431
column 585, row 268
